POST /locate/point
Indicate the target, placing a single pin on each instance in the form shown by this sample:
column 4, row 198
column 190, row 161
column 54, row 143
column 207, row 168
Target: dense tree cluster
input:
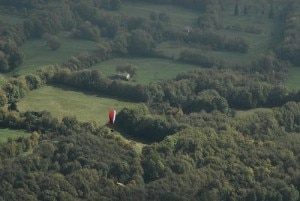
column 60, row 166
column 141, row 124
column 10, row 55
column 194, row 4
column 211, row 40
column 215, row 157
column 194, row 57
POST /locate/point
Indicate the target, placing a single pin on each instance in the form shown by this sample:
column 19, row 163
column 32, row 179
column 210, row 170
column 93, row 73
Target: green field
column 62, row 101
column 10, row 19
column 37, row 54
column 259, row 44
column 6, row 133
column 148, row 69
column 179, row 17
column 293, row 81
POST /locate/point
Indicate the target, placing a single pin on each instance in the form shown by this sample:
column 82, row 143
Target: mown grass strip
column 63, row 101
column 6, row 133
column 37, row 54
column 148, row 69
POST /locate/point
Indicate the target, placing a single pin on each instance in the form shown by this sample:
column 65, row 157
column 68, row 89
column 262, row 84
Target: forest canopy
column 226, row 130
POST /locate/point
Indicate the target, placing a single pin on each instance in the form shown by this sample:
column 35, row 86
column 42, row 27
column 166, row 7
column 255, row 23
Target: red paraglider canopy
column 112, row 116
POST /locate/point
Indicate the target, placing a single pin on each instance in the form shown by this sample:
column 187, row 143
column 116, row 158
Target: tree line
column 210, row 89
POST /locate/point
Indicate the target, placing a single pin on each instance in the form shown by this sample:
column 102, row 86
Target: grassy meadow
column 37, row 54
column 179, row 17
column 10, row 18
column 6, row 133
column 62, row 101
column 293, row 81
column 260, row 43
column 148, row 69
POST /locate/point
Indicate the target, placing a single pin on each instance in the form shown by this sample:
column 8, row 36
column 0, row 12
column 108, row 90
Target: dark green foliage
column 94, row 81
column 212, row 40
column 87, row 31
column 3, row 99
column 208, row 100
column 141, row 43
column 13, row 106
column 215, row 157
column 197, row 58
column 236, row 9
column 10, row 55
column 120, row 43
column 210, row 18
column 245, row 9
column 140, row 124
column 198, row 147
column 79, row 165
column 115, row 4
column 271, row 12
column 15, row 88
column 54, row 43
column 152, row 164
column 268, row 64
column 33, row 81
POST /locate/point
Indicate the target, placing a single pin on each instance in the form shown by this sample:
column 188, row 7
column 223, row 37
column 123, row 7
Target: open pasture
column 293, row 80
column 6, row 133
column 148, row 69
column 37, row 54
column 258, row 43
column 62, row 101
column 243, row 26
column 7, row 18
column 179, row 17
column 266, row 38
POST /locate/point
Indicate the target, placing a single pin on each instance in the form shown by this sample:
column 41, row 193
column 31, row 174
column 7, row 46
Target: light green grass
column 179, row 17
column 148, row 69
column 6, row 133
column 293, row 80
column 37, row 54
column 63, row 101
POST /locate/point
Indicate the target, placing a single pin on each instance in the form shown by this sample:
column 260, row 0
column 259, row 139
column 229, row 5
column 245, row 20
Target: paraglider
column 112, row 116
